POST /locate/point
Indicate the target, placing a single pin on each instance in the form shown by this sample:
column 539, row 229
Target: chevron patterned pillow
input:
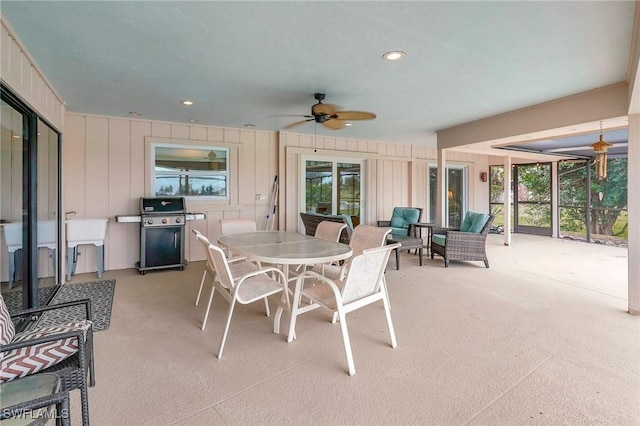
column 7, row 329
column 53, row 329
column 32, row 359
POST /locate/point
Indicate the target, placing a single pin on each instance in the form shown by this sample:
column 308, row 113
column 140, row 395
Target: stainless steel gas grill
column 162, row 232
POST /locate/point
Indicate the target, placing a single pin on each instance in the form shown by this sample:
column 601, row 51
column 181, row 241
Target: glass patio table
column 29, row 401
column 286, row 249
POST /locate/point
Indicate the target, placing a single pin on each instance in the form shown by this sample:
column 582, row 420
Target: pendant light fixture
column 600, row 151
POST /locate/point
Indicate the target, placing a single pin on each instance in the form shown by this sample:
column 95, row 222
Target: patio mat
column 13, row 299
column 101, row 295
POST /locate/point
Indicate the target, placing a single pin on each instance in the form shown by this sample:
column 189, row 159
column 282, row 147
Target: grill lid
column 158, row 205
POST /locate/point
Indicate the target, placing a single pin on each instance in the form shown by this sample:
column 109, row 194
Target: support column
column 555, row 214
column 506, row 208
column 441, row 206
column 633, row 206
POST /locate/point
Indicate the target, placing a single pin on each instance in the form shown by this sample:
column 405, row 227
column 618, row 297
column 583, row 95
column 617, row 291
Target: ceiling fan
column 327, row 115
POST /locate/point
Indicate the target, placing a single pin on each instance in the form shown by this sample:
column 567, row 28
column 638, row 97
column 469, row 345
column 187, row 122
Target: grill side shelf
column 128, row 219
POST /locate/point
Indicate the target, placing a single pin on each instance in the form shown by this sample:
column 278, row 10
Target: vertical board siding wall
column 395, row 174
column 20, row 73
column 388, row 181
column 105, row 169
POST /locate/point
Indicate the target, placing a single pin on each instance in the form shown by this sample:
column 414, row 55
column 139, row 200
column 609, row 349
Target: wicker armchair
column 311, row 221
column 54, row 349
column 459, row 245
column 401, row 218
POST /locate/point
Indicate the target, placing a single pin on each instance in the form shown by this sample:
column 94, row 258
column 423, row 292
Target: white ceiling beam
column 592, row 106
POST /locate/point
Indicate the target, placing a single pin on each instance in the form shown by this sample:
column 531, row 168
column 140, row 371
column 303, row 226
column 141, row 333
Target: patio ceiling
column 260, row 62
column 577, row 146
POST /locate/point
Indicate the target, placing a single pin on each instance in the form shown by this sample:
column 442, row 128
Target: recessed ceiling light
column 394, row 55
column 186, row 102
column 249, row 125
column 192, row 120
column 135, row 114
column 348, row 124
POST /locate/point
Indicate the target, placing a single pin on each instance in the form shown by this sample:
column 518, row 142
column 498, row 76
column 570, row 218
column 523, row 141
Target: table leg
column 283, row 302
column 294, row 309
column 397, row 250
column 63, row 412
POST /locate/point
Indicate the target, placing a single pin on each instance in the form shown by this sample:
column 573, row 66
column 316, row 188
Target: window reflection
column 191, row 171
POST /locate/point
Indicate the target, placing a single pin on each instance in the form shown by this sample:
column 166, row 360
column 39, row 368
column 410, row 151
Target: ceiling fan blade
column 297, row 123
column 334, row 124
column 319, row 109
column 354, row 115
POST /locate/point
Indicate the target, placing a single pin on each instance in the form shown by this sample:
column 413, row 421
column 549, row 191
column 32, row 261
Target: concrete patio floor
column 542, row 337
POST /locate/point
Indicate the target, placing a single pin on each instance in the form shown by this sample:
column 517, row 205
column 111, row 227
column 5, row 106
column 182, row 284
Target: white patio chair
column 328, row 231
column 364, row 237
column 227, row 226
column 238, row 266
column 233, row 226
column 363, row 285
column 244, row 289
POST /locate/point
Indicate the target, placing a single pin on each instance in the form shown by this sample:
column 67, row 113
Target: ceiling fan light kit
column 327, row 115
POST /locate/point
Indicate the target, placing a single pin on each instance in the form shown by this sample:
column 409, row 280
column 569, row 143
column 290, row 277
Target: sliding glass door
column 29, row 205
column 333, row 187
column 456, row 199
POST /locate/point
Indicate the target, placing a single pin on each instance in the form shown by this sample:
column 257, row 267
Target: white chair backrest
column 202, row 239
column 329, row 231
column 365, row 273
column 232, row 226
column 217, row 259
column 368, row 237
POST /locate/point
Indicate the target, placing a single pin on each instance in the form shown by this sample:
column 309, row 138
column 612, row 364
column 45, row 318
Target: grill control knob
column 178, row 219
column 149, row 221
column 164, row 220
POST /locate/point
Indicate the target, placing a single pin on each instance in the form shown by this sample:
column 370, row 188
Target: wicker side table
column 406, row 243
column 415, row 229
column 29, row 400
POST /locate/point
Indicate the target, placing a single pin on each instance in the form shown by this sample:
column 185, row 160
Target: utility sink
column 47, row 231
column 46, row 234
column 86, row 231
